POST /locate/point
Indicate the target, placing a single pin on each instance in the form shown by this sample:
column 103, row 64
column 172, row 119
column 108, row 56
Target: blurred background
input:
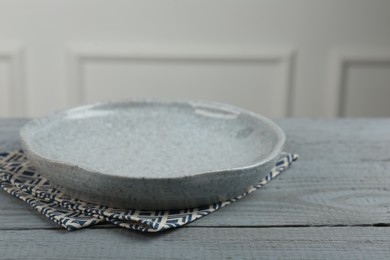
column 280, row 58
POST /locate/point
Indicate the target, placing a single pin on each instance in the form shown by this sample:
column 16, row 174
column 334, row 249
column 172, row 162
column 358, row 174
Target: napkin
column 19, row 178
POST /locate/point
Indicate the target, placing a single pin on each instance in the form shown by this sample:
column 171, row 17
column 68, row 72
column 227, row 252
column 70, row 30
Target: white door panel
column 222, row 82
column 4, row 82
column 253, row 80
column 232, row 57
column 12, row 88
column 367, row 90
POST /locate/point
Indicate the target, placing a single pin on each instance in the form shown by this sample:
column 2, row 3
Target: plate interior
column 156, row 140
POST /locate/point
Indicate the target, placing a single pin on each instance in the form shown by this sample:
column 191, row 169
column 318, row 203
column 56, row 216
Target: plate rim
column 276, row 150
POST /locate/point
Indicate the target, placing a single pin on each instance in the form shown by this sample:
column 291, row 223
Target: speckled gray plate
column 153, row 154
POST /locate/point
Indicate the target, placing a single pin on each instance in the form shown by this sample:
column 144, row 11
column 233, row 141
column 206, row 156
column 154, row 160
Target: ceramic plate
column 153, row 154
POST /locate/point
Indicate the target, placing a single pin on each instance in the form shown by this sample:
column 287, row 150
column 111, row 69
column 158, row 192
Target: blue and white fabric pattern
column 19, row 178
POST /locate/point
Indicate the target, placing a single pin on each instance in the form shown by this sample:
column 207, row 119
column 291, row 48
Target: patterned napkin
column 19, row 178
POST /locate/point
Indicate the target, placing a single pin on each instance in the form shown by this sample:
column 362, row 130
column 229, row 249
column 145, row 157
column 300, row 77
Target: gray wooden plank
column 199, row 243
column 342, row 178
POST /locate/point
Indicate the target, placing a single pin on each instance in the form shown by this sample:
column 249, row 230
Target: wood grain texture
column 341, row 182
column 342, row 178
column 199, row 243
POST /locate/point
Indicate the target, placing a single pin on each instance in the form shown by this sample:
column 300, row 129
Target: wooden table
column 334, row 203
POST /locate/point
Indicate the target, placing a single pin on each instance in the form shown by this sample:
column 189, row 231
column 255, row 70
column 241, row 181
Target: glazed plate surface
column 153, row 154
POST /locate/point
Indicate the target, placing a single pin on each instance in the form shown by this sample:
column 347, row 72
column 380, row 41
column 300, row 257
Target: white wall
column 279, row 58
